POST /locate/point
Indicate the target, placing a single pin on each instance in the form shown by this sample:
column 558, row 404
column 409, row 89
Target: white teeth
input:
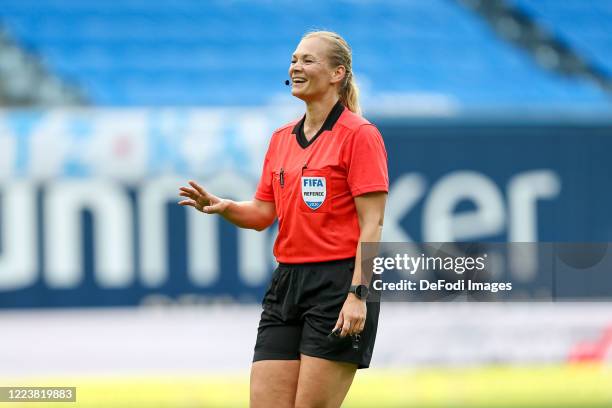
column 299, row 80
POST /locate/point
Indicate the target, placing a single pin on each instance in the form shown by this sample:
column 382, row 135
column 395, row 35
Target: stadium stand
column 586, row 29
column 25, row 82
column 187, row 52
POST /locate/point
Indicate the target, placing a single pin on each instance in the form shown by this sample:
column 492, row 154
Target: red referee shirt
column 312, row 184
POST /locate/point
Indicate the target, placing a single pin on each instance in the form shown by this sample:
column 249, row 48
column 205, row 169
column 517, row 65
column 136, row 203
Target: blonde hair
column 340, row 54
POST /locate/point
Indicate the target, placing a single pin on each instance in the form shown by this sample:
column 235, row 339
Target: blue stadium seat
column 585, row 26
column 189, row 52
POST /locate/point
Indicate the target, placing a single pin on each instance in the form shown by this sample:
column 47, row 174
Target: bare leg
column 323, row 383
column 273, row 383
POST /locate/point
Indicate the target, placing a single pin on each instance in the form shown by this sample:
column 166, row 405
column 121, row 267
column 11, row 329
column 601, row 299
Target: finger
column 188, row 190
column 191, row 193
column 354, row 327
column 197, row 187
column 200, row 202
column 185, row 194
column 213, row 209
column 361, row 326
column 339, row 322
column 190, row 203
column 346, row 328
column 357, row 327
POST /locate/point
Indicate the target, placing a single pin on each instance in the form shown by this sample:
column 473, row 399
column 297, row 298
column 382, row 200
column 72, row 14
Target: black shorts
column 300, row 309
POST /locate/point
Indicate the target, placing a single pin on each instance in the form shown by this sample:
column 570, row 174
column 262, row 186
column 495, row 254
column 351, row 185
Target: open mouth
column 299, row 80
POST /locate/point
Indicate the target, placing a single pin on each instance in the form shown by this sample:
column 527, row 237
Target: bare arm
column 255, row 214
column 371, row 212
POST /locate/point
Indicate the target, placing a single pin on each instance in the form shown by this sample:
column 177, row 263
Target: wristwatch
column 361, row 291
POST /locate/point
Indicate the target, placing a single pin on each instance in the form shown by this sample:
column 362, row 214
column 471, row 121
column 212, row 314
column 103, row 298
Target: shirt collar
column 330, row 121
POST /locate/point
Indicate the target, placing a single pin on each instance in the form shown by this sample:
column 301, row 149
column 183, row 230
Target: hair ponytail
column 340, row 54
column 349, row 95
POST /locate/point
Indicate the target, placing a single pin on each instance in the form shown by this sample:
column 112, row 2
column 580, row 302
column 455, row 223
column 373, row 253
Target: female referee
column 325, row 178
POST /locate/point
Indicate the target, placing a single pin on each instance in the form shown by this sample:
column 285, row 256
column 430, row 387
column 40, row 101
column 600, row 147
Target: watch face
column 361, row 291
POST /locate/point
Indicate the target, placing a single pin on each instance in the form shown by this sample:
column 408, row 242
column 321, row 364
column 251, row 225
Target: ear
column 338, row 74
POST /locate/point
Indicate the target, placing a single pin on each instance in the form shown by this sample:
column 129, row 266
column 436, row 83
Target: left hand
column 352, row 316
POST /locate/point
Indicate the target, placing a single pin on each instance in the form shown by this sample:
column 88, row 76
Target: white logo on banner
column 313, row 191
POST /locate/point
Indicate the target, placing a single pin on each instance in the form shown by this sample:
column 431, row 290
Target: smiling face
column 312, row 77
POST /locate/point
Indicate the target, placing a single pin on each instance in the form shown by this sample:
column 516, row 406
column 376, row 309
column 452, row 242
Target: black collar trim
column 330, row 121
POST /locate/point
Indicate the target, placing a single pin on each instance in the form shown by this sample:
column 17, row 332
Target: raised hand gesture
column 202, row 200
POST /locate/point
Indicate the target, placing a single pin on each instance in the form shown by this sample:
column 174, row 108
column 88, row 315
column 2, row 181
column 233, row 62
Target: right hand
column 202, row 200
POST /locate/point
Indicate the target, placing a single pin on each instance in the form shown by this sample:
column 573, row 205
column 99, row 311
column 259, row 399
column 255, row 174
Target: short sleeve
column 367, row 162
column 265, row 191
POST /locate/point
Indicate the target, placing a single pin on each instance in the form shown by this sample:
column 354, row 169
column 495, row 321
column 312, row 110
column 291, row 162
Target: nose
column 297, row 66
